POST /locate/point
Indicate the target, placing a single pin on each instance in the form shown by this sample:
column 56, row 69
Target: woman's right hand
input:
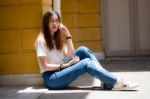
column 64, row 30
column 74, row 60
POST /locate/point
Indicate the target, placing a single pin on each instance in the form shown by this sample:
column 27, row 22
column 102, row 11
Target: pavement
column 87, row 87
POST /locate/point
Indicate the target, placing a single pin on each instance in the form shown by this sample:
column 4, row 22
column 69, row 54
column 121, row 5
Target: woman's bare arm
column 53, row 67
column 70, row 46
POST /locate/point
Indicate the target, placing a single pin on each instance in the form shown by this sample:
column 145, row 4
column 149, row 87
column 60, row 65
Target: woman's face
column 54, row 23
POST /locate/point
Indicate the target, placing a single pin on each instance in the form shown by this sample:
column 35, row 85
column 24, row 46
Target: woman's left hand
column 74, row 60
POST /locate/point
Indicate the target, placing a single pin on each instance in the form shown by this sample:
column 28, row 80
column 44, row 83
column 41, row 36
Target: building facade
column 108, row 27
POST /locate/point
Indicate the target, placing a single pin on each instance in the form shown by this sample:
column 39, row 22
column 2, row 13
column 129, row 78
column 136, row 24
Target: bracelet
column 69, row 37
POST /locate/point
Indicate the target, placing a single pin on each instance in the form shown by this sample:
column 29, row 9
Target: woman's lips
column 54, row 27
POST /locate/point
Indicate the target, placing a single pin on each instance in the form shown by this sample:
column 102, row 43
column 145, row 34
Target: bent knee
column 82, row 48
column 92, row 63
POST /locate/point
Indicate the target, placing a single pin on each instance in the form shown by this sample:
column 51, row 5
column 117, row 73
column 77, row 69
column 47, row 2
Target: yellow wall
column 20, row 22
column 84, row 21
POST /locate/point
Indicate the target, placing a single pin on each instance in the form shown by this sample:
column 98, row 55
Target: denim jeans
column 87, row 64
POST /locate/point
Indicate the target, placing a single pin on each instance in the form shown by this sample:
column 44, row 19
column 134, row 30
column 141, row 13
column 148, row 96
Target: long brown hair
column 47, row 33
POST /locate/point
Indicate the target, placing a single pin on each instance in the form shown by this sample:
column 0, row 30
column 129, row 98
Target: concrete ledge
column 100, row 56
column 36, row 79
column 21, row 79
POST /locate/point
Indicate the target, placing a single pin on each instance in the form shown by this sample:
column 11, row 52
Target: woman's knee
column 83, row 63
column 92, row 64
column 87, row 63
column 82, row 48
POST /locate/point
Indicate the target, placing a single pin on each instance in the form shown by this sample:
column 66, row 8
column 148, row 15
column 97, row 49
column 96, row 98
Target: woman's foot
column 124, row 85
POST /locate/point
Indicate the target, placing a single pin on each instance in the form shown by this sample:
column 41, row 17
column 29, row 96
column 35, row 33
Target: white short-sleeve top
column 53, row 56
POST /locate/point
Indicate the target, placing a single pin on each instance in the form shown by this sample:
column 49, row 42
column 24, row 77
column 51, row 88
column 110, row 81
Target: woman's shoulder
column 39, row 40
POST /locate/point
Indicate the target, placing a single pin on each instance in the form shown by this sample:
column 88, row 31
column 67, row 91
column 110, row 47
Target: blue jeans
column 87, row 64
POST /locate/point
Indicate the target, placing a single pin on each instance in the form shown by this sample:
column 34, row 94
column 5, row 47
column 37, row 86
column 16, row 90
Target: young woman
column 60, row 64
